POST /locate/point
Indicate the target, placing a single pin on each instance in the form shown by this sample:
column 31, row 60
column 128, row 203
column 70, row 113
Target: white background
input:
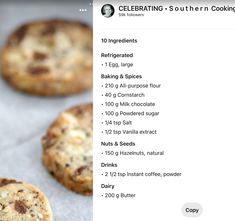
column 192, row 56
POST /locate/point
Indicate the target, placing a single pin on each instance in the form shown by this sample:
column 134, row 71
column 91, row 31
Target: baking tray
column 24, row 118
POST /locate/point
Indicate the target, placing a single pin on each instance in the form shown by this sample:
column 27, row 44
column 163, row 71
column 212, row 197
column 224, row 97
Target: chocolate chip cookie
column 22, row 201
column 49, row 58
column 67, row 149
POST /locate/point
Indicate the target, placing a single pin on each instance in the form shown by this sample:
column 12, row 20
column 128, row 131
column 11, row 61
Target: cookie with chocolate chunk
column 22, row 201
column 49, row 58
column 67, row 149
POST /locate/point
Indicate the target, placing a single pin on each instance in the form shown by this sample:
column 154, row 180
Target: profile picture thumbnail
column 107, row 10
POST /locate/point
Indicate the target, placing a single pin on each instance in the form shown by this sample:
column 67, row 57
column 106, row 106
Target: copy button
column 192, row 209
